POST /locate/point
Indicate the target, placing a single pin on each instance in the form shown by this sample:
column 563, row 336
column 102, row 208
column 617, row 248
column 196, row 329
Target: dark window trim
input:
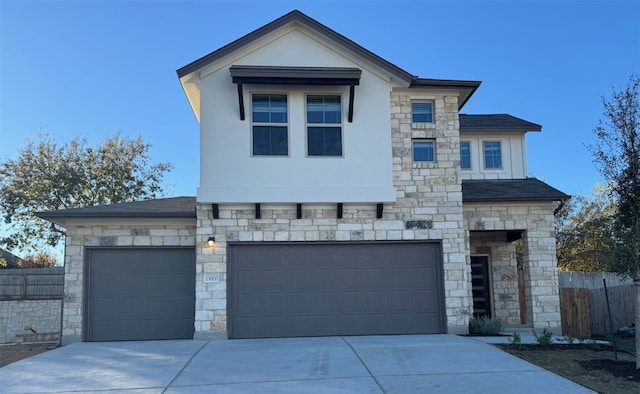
column 272, row 75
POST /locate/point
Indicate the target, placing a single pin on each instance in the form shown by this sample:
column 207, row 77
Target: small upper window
column 422, row 112
column 324, row 125
column 492, row 155
column 465, row 155
column 269, row 132
column 424, row 151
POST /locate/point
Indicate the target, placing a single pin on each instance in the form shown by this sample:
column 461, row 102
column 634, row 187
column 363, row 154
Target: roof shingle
column 495, row 122
column 505, row 190
column 175, row 207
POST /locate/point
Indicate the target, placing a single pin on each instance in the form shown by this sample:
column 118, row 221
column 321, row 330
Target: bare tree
column 617, row 154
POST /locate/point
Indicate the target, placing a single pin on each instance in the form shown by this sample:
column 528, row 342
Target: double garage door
column 273, row 290
column 319, row 289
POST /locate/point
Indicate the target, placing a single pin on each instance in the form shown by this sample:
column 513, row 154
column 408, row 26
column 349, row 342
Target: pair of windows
column 424, row 151
column 270, row 125
column 492, row 151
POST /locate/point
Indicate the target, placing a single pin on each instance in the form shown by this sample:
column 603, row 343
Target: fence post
column 613, row 335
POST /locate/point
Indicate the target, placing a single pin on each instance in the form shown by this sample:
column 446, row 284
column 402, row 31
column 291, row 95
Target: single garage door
column 139, row 294
column 319, row 289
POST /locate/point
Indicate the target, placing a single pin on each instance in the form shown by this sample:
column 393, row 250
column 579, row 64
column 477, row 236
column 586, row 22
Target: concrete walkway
column 368, row 364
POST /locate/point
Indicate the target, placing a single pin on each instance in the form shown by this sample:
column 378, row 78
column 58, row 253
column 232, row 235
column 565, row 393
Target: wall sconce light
column 211, row 241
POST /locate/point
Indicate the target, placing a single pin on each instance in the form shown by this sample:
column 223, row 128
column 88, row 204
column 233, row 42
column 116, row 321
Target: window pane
column 324, row 141
column 421, row 112
column 270, row 141
column 492, row 154
column 324, row 109
column 269, row 108
column 279, row 143
column 423, row 151
column 465, row 155
column 261, row 140
column 260, row 108
column 278, row 108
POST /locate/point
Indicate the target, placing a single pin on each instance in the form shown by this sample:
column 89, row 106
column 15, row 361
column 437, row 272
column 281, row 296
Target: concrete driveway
column 369, row 364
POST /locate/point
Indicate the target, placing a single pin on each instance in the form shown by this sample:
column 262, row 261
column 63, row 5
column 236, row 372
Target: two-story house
column 338, row 195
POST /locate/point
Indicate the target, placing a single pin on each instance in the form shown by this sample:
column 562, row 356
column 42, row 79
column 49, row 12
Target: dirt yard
column 592, row 366
column 12, row 353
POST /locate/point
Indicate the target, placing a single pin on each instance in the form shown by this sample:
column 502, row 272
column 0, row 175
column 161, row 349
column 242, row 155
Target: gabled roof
column 176, row 207
column 465, row 88
column 509, row 190
column 295, row 16
column 495, row 122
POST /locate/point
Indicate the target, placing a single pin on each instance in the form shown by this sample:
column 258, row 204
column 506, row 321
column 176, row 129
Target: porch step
column 519, row 328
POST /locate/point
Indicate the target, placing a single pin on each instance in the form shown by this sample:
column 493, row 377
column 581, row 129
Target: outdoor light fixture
column 211, row 241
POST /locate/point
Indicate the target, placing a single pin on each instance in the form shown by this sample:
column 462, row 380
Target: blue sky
column 96, row 68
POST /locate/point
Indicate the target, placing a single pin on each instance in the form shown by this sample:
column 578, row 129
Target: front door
column 480, row 286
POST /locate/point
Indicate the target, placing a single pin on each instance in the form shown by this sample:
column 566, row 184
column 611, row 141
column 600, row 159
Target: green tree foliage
column 49, row 176
column 584, row 232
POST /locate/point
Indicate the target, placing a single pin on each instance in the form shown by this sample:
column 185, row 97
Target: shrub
column 546, row 338
column 484, row 326
column 515, row 339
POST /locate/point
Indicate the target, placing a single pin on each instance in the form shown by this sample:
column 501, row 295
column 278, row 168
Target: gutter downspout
column 559, row 207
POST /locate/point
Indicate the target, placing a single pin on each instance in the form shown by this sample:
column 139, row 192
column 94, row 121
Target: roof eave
column 466, row 89
column 518, row 199
column 499, row 128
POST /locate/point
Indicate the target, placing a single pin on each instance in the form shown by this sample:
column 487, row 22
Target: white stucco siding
column 230, row 174
column 514, row 165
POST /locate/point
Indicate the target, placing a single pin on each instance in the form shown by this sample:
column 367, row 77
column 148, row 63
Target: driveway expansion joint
column 382, row 390
column 185, row 366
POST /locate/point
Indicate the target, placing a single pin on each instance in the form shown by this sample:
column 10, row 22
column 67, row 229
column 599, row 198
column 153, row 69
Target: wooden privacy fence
column 583, row 303
column 31, row 284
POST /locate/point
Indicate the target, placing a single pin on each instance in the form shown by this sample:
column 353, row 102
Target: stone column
column 541, row 280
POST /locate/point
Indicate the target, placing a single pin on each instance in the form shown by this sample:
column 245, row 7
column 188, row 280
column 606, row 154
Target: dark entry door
column 319, row 289
column 480, row 286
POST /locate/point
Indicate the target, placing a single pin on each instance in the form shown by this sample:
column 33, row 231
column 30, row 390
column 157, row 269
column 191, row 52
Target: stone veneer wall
column 539, row 253
column 109, row 235
column 503, row 269
column 26, row 321
column 426, row 192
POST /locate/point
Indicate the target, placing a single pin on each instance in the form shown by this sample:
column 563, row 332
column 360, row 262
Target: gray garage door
column 139, row 294
column 318, row 289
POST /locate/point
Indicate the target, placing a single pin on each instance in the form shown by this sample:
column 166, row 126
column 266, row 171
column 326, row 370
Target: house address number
column 212, row 278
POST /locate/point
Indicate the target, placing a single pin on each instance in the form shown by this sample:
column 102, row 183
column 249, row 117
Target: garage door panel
column 112, row 308
column 140, row 293
column 310, row 289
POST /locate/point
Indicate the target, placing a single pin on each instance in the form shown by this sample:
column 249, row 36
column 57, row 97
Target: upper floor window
column 422, row 112
column 424, row 151
column 324, row 125
column 492, row 154
column 465, row 155
column 270, row 122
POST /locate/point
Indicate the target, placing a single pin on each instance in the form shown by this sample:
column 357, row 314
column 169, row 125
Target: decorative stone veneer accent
column 29, row 321
column 539, row 255
column 179, row 233
column 428, row 194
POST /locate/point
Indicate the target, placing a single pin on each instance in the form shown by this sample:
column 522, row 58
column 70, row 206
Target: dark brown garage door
column 318, row 289
column 139, row 294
